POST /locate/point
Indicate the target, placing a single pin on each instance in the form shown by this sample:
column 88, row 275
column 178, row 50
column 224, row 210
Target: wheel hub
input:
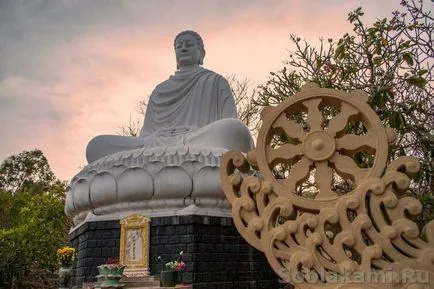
column 319, row 145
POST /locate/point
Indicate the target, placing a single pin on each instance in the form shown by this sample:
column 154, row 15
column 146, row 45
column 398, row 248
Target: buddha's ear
column 202, row 56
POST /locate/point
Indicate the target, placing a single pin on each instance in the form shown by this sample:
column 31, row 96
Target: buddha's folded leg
column 229, row 133
column 104, row 145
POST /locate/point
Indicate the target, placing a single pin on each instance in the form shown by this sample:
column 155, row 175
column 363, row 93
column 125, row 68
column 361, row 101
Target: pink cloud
column 98, row 77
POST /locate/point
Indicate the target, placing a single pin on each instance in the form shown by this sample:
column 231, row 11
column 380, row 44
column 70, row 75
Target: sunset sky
column 71, row 70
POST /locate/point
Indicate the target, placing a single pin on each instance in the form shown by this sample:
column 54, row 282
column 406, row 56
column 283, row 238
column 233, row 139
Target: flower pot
column 65, row 273
column 169, row 278
column 109, row 275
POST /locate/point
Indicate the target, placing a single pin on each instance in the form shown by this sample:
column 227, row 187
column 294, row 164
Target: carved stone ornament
column 134, row 245
column 322, row 220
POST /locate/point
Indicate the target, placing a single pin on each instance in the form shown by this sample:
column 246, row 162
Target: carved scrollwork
column 318, row 137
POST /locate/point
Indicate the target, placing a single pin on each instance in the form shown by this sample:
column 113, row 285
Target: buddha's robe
column 190, row 98
column 194, row 107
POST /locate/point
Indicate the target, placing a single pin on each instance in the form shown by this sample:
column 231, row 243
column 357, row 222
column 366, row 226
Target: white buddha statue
column 194, row 108
column 172, row 168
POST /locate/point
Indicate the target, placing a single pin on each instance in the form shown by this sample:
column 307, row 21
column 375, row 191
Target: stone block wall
column 95, row 243
column 215, row 254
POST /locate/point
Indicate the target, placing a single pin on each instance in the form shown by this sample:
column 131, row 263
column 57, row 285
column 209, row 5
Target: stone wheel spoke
column 287, row 153
column 354, row 143
column 314, row 115
column 339, row 123
column 299, row 172
column 291, row 128
column 346, row 167
column 324, row 179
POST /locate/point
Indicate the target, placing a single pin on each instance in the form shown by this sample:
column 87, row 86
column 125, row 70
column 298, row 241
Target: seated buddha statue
column 172, row 168
column 194, row 108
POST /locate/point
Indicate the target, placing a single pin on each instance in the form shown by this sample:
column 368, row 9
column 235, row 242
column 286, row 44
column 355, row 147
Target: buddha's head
column 189, row 49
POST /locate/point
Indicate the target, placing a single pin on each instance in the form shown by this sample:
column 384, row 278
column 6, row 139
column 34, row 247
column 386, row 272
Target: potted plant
column 110, row 273
column 65, row 257
column 169, row 277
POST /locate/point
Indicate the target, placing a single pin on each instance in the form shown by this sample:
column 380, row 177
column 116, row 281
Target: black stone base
column 216, row 255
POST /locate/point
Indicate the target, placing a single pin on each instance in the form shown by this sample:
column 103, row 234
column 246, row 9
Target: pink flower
column 112, row 261
column 180, row 266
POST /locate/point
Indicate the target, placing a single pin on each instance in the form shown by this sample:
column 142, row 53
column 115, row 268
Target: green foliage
column 28, row 170
column 392, row 61
column 33, row 223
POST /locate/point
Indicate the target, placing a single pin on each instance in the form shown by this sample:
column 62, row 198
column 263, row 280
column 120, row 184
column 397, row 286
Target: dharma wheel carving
column 317, row 197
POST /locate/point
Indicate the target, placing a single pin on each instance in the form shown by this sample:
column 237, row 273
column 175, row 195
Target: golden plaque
column 134, row 245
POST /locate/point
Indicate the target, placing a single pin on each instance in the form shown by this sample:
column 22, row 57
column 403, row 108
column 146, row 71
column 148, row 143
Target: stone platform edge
column 191, row 210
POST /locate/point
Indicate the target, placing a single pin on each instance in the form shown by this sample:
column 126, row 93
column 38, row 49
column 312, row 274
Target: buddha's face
column 187, row 50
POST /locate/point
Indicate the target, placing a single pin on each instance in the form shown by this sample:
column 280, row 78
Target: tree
column 133, row 127
column 26, row 170
column 32, row 221
column 392, row 61
column 247, row 111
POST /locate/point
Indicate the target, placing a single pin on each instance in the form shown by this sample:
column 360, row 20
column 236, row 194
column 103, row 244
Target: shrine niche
column 134, row 245
column 318, row 197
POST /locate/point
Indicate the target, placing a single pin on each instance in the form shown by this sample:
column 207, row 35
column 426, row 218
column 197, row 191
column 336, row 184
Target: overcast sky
column 71, row 70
